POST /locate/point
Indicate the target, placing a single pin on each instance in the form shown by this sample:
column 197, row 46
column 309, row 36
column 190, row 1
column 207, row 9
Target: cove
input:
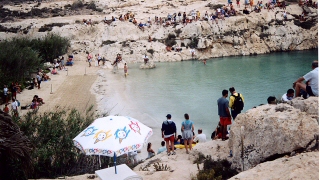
column 192, row 87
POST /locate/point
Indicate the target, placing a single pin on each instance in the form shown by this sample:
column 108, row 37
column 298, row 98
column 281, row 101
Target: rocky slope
column 256, row 33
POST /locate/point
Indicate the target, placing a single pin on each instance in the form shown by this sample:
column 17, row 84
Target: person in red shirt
column 6, row 109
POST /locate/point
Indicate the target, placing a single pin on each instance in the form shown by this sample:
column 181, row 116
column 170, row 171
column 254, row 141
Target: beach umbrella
column 113, row 136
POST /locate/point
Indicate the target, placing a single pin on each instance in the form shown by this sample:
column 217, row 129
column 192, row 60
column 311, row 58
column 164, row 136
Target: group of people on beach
column 169, row 134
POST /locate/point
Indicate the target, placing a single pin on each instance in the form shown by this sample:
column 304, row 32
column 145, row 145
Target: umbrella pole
column 115, row 162
column 99, row 161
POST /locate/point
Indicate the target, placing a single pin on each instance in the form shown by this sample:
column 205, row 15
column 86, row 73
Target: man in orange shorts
column 224, row 113
column 169, row 133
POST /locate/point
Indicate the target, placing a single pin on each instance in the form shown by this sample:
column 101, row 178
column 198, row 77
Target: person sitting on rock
column 118, row 59
column 245, row 11
column 257, row 9
column 272, row 100
column 134, row 21
column 288, row 96
column 162, row 148
column 312, row 84
column 141, row 26
column 39, row 100
column 121, row 18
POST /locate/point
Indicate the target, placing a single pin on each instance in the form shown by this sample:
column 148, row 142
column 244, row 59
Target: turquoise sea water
column 192, row 87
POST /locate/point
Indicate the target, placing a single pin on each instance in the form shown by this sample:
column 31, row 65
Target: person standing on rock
column 236, row 102
column 224, row 113
column 187, row 129
column 169, row 133
column 312, row 84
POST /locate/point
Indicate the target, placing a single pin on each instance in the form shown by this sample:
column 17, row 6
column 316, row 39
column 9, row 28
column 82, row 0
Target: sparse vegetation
column 215, row 169
column 45, row 149
column 18, row 57
column 160, row 167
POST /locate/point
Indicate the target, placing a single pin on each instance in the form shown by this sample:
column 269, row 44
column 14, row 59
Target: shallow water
column 192, row 87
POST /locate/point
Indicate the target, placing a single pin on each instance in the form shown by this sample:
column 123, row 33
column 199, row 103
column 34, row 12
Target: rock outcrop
column 256, row 33
column 272, row 131
column 302, row 166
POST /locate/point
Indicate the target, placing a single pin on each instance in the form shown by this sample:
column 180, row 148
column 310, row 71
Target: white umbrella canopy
column 113, row 135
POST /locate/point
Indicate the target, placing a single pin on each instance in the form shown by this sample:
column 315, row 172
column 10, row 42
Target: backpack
column 238, row 103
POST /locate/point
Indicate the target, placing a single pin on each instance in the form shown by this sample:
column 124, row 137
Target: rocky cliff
column 256, row 33
column 268, row 132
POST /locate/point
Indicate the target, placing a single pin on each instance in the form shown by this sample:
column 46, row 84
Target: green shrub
column 17, row 57
column 51, row 46
column 51, row 135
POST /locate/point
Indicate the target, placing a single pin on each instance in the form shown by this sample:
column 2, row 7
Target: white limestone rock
column 271, row 130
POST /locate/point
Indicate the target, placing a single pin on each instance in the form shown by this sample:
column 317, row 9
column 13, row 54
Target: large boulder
column 302, row 166
column 271, row 131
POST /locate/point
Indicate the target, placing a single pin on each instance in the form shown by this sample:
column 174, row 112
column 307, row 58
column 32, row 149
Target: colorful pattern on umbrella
column 89, row 131
column 135, row 127
column 121, row 134
column 97, row 138
column 102, row 136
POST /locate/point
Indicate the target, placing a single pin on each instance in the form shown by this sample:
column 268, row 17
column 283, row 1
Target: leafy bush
column 51, row 135
column 51, row 46
column 17, row 57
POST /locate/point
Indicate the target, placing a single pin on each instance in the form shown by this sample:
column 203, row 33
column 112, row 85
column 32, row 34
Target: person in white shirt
column 288, row 96
column 14, row 106
column 200, row 138
column 312, row 84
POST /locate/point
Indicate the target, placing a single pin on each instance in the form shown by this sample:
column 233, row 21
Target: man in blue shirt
column 224, row 113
